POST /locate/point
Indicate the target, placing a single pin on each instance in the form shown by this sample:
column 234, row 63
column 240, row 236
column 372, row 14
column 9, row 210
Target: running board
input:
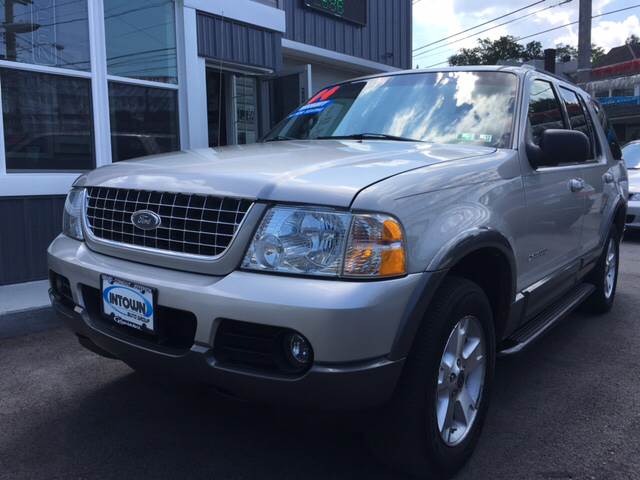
column 543, row 322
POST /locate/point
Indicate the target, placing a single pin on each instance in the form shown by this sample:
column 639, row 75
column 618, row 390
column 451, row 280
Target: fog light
column 60, row 285
column 298, row 349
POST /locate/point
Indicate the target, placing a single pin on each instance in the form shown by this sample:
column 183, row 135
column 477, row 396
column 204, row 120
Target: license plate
column 128, row 303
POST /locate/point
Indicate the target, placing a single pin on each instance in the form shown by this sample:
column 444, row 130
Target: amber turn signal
column 376, row 247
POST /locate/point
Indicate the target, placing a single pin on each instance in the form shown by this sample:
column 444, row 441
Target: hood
column 322, row 172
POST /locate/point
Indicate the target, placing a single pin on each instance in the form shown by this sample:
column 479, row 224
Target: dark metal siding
column 236, row 42
column 29, row 224
column 385, row 39
column 615, row 111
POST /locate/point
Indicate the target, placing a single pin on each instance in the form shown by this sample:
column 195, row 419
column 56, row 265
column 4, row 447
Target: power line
column 437, row 64
column 573, row 23
column 557, row 28
column 563, row 2
column 477, row 26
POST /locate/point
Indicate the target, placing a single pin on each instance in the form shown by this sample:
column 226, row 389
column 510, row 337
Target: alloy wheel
column 610, row 268
column 461, row 380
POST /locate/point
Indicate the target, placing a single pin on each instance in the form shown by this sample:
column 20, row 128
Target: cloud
column 611, row 34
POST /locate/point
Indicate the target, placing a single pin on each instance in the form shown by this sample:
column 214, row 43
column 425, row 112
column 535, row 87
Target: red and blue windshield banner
column 317, row 104
column 324, row 94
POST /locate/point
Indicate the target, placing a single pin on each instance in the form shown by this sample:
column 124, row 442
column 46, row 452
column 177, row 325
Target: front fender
column 469, row 241
column 461, row 246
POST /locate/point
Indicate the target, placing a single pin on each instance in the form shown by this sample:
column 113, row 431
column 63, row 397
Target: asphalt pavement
column 568, row 408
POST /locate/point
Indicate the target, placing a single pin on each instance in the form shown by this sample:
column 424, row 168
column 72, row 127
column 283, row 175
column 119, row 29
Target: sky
column 434, row 20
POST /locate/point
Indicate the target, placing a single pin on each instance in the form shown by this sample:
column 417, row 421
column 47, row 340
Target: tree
column 632, row 39
column 467, row 56
column 533, row 50
column 596, row 53
column 490, row 52
column 566, row 53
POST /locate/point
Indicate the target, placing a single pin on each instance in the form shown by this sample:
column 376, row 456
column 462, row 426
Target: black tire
column 407, row 438
column 599, row 301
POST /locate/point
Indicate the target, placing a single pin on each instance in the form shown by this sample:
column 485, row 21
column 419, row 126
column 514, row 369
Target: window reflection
column 445, row 107
column 47, row 121
column 45, row 32
column 144, row 120
column 544, row 109
column 141, row 39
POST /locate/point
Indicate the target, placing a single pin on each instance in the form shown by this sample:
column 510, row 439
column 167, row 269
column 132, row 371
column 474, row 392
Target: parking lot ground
column 568, row 408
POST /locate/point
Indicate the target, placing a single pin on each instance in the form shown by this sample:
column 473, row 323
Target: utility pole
column 584, row 42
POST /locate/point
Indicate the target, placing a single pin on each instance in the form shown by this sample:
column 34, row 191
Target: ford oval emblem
column 146, row 219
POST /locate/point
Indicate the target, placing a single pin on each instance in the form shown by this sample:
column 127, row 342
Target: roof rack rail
column 564, row 78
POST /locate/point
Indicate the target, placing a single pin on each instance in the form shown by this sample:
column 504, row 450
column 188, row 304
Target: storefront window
column 144, row 120
column 141, row 39
column 45, row 32
column 48, row 122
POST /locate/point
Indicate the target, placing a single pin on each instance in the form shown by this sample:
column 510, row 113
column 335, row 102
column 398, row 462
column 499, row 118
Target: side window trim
column 563, row 106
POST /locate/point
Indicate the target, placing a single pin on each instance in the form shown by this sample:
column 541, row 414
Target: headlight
column 72, row 216
column 314, row 241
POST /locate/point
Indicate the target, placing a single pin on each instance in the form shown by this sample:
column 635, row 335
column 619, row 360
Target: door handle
column 608, row 177
column 576, row 184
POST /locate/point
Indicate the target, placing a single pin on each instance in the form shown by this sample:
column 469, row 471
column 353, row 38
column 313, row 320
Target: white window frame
column 20, row 184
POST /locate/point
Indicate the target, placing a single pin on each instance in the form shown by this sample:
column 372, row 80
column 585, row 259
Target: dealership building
column 85, row 83
column 615, row 81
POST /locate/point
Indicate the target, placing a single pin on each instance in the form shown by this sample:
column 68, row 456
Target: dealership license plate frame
column 132, row 324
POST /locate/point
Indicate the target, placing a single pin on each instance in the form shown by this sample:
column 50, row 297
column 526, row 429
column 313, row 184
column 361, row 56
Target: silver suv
column 379, row 248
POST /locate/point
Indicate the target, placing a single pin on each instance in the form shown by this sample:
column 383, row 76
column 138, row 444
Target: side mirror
column 558, row 147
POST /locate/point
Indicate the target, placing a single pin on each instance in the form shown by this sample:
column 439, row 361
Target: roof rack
column 564, row 78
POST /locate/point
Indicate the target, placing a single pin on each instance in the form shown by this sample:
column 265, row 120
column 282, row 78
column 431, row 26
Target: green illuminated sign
column 350, row 10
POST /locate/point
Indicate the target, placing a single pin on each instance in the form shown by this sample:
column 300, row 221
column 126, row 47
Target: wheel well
column 491, row 270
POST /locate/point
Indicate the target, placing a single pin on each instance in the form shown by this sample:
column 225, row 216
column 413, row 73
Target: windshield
column 439, row 107
column 631, row 155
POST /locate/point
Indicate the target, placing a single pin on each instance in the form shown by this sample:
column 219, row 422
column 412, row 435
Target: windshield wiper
column 280, row 138
column 369, row 136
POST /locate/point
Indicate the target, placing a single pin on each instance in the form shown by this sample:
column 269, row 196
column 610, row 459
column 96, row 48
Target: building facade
column 615, row 81
column 85, row 83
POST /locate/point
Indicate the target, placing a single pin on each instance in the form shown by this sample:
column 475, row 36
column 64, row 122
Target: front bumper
column 351, row 326
column 633, row 215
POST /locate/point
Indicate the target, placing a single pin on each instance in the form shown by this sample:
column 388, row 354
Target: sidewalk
column 21, row 297
column 25, row 309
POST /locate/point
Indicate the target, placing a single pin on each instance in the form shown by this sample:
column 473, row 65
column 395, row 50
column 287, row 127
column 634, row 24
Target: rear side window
column 577, row 115
column 609, row 132
column 544, row 109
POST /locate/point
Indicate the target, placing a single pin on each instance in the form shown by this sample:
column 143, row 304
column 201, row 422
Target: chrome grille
column 191, row 224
